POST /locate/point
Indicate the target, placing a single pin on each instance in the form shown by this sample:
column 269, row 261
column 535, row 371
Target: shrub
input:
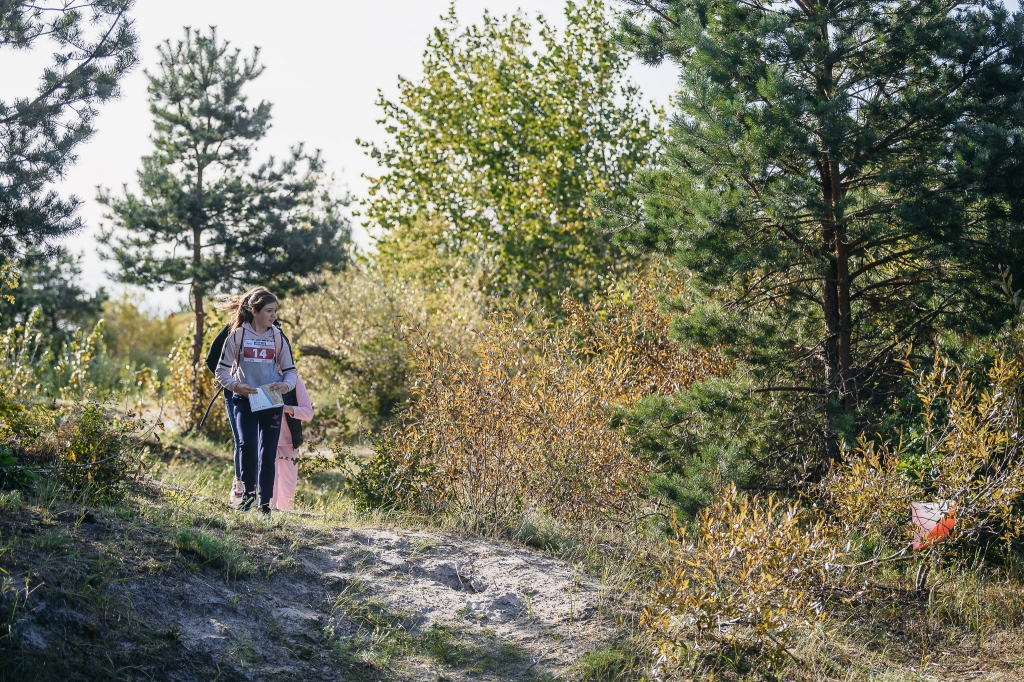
column 758, row 568
column 526, row 423
column 139, row 339
column 353, row 347
column 31, row 367
column 177, row 387
column 964, row 448
column 84, row 450
column 23, row 351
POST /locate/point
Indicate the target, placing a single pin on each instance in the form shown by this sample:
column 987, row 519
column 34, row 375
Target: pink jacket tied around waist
column 287, row 455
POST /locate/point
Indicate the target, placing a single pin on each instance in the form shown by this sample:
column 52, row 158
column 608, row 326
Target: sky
column 325, row 61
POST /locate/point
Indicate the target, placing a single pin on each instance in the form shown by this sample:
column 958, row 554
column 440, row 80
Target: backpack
column 216, row 348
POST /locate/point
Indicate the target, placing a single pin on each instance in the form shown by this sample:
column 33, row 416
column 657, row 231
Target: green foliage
column 37, row 361
column 710, row 434
column 49, row 281
column 386, row 482
column 963, row 448
column 30, row 368
column 755, row 570
column 610, row 664
column 24, row 355
column 504, row 143
column 207, row 218
column 10, row 501
column 93, row 47
column 214, row 551
column 82, row 449
column 270, row 224
column 136, row 338
column 842, row 180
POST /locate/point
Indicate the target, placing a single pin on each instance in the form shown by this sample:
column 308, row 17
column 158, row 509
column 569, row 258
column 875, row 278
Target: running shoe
column 237, row 491
column 248, row 500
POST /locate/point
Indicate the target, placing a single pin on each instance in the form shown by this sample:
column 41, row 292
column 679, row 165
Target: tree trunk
column 197, row 305
column 840, row 387
column 830, row 309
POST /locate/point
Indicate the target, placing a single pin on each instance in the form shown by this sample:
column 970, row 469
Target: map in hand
column 265, row 398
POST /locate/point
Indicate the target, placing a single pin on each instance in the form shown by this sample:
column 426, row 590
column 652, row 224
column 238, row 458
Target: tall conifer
column 206, row 218
column 843, row 178
column 93, row 46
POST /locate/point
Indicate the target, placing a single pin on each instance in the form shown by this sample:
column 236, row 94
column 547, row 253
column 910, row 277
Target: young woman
column 288, row 453
column 256, row 355
column 212, row 360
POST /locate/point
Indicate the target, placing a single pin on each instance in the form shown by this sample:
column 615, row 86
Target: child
column 255, row 355
column 288, row 453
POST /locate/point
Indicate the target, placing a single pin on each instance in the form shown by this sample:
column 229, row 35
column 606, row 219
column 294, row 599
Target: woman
column 254, row 356
column 288, row 453
column 212, row 360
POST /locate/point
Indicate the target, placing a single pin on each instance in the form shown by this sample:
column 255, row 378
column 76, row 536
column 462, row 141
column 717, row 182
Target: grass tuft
column 10, row 501
column 213, row 551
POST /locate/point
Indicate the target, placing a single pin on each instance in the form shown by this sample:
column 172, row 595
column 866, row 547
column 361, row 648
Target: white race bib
column 258, row 350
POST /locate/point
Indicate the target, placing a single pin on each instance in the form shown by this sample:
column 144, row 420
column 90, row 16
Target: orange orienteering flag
column 933, row 522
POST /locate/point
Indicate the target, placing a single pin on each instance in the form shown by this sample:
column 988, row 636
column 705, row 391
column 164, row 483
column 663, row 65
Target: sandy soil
column 365, row 603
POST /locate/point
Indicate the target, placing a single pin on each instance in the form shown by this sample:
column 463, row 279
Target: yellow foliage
column 525, row 424
column 629, row 336
column 135, row 337
column 185, row 408
column 522, row 427
column 758, row 566
column 968, row 452
column 351, row 346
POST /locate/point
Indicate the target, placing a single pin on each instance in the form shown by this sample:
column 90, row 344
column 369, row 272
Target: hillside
column 171, row 585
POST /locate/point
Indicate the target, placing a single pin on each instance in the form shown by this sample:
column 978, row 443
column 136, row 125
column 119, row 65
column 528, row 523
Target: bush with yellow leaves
column 186, row 408
column 758, row 570
column 966, row 450
column 353, row 347
column 84, row 450
column 758, row 567
column 525, row 424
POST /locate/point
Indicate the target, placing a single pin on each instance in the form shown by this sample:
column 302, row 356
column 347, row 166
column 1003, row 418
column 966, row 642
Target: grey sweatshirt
column 262, row 359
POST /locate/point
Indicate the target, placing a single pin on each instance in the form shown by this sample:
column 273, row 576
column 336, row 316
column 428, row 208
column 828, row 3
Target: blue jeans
column 258, row 433
column 237, row 455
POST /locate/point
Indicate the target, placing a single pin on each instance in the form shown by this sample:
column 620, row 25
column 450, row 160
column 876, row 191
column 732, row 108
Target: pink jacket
column 303, row 412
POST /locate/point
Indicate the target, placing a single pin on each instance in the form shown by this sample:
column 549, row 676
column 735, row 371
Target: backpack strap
column 238, row 350
column 279, row 341
column 238, row 345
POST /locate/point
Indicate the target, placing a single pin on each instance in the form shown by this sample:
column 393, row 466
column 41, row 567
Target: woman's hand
column 244, row 389
column 279, row 386
column 288, row 409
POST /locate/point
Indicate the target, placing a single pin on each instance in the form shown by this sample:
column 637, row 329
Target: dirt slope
column 123, row 595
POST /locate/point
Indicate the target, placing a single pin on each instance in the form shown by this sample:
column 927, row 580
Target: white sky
column 325, row 61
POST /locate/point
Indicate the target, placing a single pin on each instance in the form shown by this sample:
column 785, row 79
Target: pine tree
column 49, row 280
column 207, row 218
column 843, row 180
column 94, row 47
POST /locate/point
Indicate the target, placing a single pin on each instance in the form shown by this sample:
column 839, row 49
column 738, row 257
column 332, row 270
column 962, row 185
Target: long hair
column 244, row 305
